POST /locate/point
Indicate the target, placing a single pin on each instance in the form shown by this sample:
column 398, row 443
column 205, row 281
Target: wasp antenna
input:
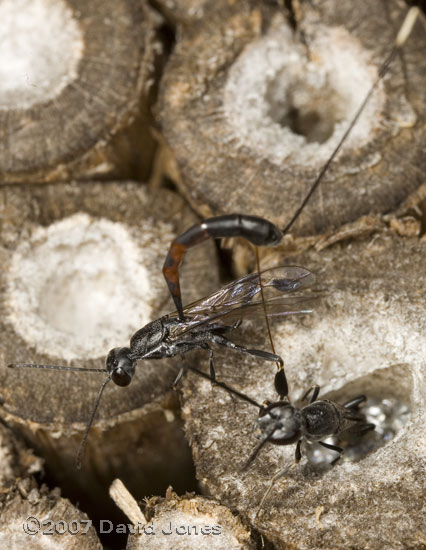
column 256, row 450
column 276, row 477
column 82, row 445
column 53, row 367
column 403, row 34
column 268, row 326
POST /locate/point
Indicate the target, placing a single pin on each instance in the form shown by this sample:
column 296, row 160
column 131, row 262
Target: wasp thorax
column 280, row 422
column 120, row 367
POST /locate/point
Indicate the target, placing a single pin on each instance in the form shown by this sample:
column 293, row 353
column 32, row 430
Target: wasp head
column 120, row 366
column 280, row 423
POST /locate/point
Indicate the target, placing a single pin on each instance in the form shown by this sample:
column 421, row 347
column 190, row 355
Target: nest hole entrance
column 78, row 288
column 41, row 44
column 341, row 362
column 305, row 111
column 389, row 413
column 81, row 297
column 291, row 104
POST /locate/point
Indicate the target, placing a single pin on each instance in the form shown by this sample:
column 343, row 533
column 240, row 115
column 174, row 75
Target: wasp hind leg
column 333, row 448
column 266, row 355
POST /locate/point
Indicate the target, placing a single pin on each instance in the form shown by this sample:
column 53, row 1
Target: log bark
column 252, row 110
column 75, row 95
column 365, row 336
column 81, row 273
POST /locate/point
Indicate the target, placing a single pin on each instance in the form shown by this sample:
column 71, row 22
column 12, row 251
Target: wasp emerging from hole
column 310, row 420
column 208, row 320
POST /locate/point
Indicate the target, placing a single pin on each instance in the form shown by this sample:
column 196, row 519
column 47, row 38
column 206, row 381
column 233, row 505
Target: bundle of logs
column 123, row 124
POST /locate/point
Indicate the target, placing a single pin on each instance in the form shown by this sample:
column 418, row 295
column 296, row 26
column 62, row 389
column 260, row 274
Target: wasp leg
column 298, row 452
column 362, row 428
column 280, row 383
column 333, row 448
column 315, row 392
column 211, row 363
column 179, row 377
column 222, row 341
column 353, row 409
column 355, row 402
column 227, row 388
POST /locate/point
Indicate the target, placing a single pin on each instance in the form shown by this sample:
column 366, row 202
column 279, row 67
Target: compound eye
column 120, row 377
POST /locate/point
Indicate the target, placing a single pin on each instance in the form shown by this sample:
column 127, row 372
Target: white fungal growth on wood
column 40, row 47
column 82, row 285
column 387, row 340
column 288, row 107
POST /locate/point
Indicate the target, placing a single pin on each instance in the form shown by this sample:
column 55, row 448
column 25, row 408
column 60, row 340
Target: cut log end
column 82, row 273
column 364, row 337
column 305, row 99
column 40, row 51
column 42, row 520
column 33, row 516
column 254, row 138
column 73, row 75
column 190, row 522
column 83, row 283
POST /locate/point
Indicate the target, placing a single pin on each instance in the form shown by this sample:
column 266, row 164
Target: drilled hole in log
column 252, row 109
column 387, row 409
column 284, row 102
column 315, row 125
column 81, row 284
column 41, row 45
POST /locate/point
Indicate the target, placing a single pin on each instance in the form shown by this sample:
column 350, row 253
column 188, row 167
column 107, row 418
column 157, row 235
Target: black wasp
column 205, row 322
column 310, row 419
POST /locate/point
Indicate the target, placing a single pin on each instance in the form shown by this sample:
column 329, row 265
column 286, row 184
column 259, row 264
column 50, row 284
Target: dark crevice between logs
column 422, row 207
column 98, row 506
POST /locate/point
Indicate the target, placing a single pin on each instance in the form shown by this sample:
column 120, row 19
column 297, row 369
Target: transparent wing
column 285, row 289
